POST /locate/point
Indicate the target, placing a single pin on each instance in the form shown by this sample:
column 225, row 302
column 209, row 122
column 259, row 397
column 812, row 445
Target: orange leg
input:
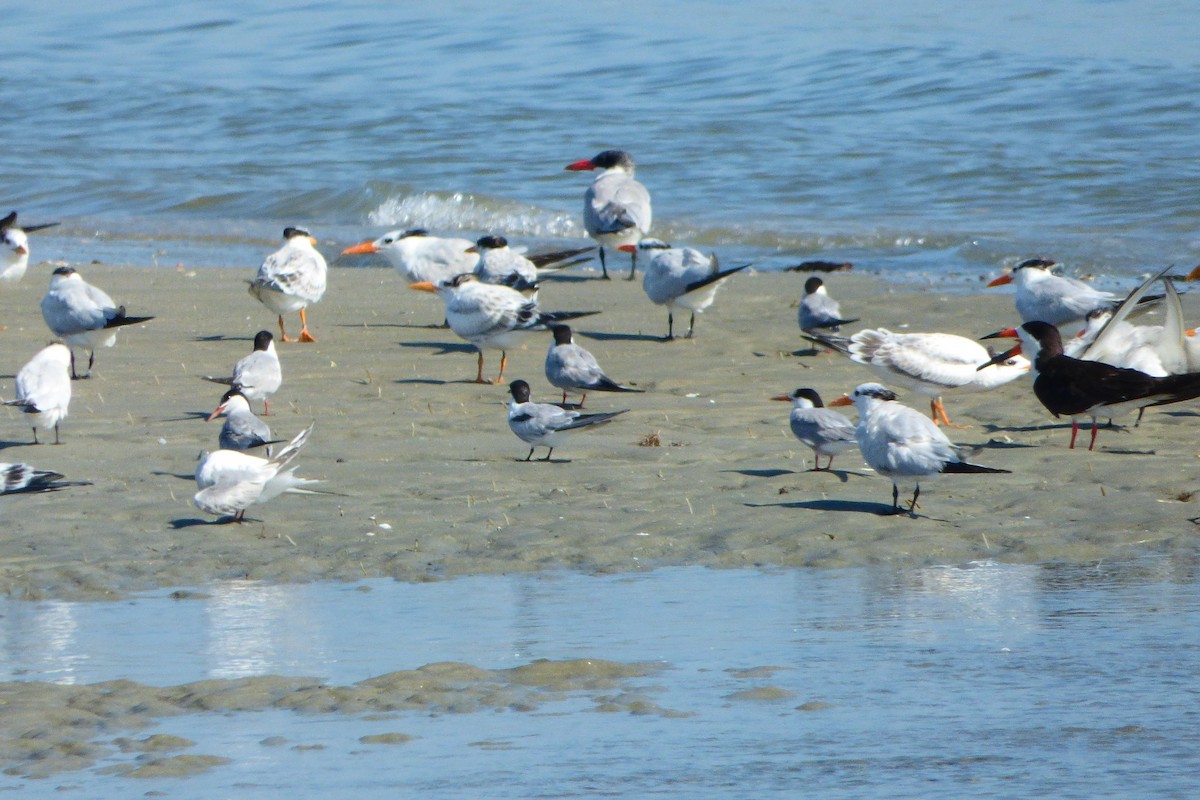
column 938, row 411
column 503, row 364
column 305, row 336
column 479, row 375
column 283, row 337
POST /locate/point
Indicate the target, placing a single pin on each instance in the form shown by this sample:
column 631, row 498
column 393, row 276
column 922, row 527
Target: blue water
column 922, row 136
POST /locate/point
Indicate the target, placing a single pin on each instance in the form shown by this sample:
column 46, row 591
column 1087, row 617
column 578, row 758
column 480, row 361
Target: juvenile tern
column 545, row 425
column 258, row 374
column 291, row 279
column 682, row 278
column 242, row 430
column 83, row 315
column 231, row 481
column 900, row 443
column 616, row 207
column 14, row 248
column 44, row 388
column 573, row 369
column 819, row 310
column 826, row 431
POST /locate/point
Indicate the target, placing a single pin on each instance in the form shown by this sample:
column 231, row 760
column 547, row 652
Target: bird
column 231, row 481
column 242, row 430
column 17, row 478
column 682, row 278
column 44, row 388
column 490, row 316
column 931, row 364
column 1075, row 388
column 83, row 315
column 420, row 257
column 826, row 431
column 500, row 264
column 819, row 310
column 616, row 207
column 1046, row 297
column 545, row 425
column 573, row 369
column 899, row 443
column 14, row 248
column 258, row 375
column 291, row 279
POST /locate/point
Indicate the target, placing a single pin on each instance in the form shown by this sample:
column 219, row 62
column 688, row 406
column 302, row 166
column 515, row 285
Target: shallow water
column 997, row 680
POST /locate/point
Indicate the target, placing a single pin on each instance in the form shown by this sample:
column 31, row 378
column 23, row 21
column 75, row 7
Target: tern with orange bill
column 1045, row 297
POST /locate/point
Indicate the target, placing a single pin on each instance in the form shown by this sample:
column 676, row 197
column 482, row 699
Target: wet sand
column 431, row 480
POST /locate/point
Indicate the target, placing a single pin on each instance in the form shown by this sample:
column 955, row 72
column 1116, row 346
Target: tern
column 500, row 264
column 1046, row 297
column 14, row 248
column 545, row 425
column 682, row 278
column 819, row 310
column 291, row 279
column 242, row 430
column 83, row 315
column 231, row 481
column 258, row 375
column 573, row 369
column 420, row 257
column 44, row 388
column 616, row 207
column 900, row 443
column 826, row 431
column 18, row 478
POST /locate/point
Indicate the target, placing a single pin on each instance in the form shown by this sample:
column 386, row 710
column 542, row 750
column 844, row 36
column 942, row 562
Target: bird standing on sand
column 1046, row 297
column 258, row 375
column 14, row 248
column 818, row 310
column 230, row 481
column 44, row 388
column 545, row 425
column 900, row 443
column 826, row 431
column 682, row 278
column 291, row 279
column 616, row 207
column 242, row 430
column 83, row 315
column 573, row 369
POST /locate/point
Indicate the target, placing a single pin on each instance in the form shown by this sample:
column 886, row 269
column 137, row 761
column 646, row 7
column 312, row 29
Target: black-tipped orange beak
column 844, row 400
column 632, row 248
column 215, row 414
column 472, row 249
column 1007, row 333
column 785, row 398
column 361, row 249
column 1003, row 279
column 1000, row 358
column 1194, row 274
column 580, row 166
column 423, row 286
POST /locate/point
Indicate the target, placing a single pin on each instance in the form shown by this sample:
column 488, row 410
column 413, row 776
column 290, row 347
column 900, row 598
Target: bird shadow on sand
column 5, row 444
column 220, row 337
column 190, row 476
column 848, row 506
column 605, row 336
column 1053, row 426
column 188, row 416
column 841, row 474
column 180, row 524
column 430, row 326
column 442, row 348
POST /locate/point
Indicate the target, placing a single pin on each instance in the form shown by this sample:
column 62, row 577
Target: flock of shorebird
column 490, row 290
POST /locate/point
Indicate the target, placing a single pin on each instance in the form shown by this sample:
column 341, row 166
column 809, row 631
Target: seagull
column 616, row 208
column 242, row 430
column 682, row 278
column 544, row 425
column 900, row 443
column 500, row 264
column 490, row 316
column 291, row 279
column 1070, row 387
column 44, row 388
column 572, row 368
column 14, row 248
column 231, row 481
column 257, row 375
column 826, row 431
column 930, row 364
column 420, row 257
column 818, row 309
column 17, row 478
column 1046, row 297
column 83, row 315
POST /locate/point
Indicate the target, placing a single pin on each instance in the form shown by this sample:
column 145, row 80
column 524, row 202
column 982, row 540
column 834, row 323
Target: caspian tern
column 17, row 478
column 490, row 316
column 1070, row 387
column 545, row 425
column 682, row 278
column 616, row 207
column 900, row 443
column 83, row 315
column 291, row 279
column 231, row 481
column 1046, row 297
column 931, row 364
column 258, row 375
column 573, row 369
column 44, row 388
column 242, row 430
column 826, row 431
column 14, row 248
column 819, row 310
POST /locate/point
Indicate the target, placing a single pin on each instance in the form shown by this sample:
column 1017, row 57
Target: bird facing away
column 291, row 279
column 546, row 425
column 682, row 278
column 900, row 443
column 44, row 389
column 231, row 481
column 818, row 310
column 83, row 315
column 258, row 375
column 14, row 248
column 500, row 264
column 616, row 207
column 826, row 431
column 242, row 430
column 573, row 369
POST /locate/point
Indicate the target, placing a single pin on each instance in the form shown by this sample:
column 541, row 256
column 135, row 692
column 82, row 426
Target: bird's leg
column 74, row 377
column 895, row 499
column 1141, row 411
column 530, row 454
column 912, row 507
column 56, row 441
column 1074, row 432
column 565, row 397
column 305, row 336
column 939, row 413
column 583, row 399
column 829, row 466
column 603, row 266
column 1095, row 429
column 283, row 337
column 35, row 441
column 632, row 265
column 691, row 326
column 238, row 517
column 479, row 375
column 670, row 327
column 503, row 364
column 548, row 452
column 91, row 361
column 266, row 408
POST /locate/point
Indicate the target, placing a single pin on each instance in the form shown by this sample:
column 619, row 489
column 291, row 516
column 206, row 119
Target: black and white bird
column 1077, row 389
column 900, row 443
column 242, row 430
column 546, row 425
column 616, row 207
column 14, row 248
column 500, row 264
column 291, row 279
column 258, row 375
column 231, row 481
column 83, row 315
column 573, row 369
column 682, row 279
column 819, row 311
column 826, row 431
column 44, row 389
column 1043, row 296
column 22, row 478
column 418, row 256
